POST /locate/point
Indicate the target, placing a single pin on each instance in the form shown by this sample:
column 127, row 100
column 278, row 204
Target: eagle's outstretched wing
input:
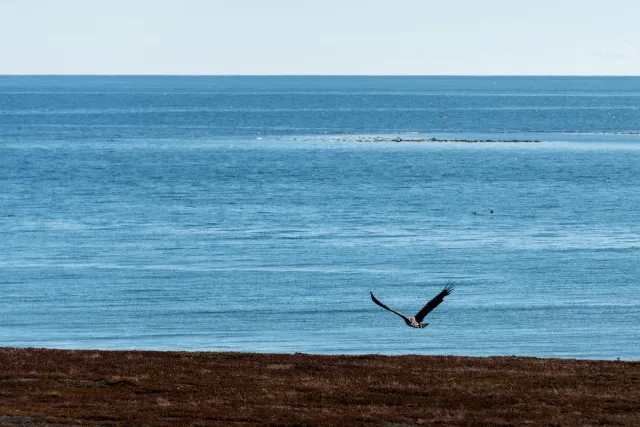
column 434, row 302
column 385, row 307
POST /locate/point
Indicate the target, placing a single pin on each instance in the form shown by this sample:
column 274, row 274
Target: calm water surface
column 244, row 214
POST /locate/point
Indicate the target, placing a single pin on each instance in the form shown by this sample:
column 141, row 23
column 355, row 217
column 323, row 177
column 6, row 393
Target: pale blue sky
column 320, row 37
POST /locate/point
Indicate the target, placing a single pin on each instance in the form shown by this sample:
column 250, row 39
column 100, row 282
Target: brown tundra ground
column 40, row 387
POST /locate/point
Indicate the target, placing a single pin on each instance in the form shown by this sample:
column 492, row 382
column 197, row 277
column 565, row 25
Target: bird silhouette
column 416, row 321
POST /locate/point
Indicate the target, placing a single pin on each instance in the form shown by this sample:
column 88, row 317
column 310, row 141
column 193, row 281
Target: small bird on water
column 416, row 321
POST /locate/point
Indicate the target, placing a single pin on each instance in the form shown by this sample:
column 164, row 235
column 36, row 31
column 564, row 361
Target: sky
column 302, row 37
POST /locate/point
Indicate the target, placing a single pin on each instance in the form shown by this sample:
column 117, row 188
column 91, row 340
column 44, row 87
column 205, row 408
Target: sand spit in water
column 358, row 138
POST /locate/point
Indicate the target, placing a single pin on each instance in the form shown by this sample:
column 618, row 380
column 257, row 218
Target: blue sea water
column 256, row 214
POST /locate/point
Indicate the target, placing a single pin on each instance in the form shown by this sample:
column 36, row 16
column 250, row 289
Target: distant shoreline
column 80, row 387
column 433, row 139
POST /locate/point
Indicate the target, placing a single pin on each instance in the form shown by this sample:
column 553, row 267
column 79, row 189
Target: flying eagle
column 416, row 321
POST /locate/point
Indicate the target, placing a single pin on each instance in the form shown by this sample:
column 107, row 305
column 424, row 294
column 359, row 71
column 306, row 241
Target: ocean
column 229, row 213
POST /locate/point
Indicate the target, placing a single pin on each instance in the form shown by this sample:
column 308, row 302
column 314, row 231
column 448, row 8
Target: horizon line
column 303, row 75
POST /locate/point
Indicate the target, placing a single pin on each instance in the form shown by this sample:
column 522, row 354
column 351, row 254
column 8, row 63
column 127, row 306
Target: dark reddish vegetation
column 112, row 388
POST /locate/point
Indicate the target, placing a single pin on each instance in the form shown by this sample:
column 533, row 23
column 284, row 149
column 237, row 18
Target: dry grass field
column 40, row 387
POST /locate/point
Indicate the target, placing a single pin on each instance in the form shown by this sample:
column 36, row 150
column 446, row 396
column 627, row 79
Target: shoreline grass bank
column 113, row 388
